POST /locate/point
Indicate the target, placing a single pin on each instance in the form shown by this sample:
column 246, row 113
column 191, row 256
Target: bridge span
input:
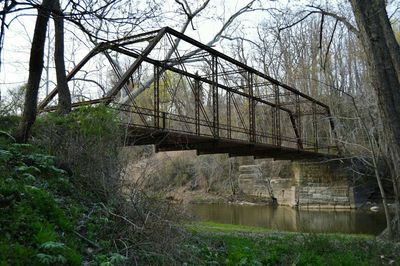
column 195, row 97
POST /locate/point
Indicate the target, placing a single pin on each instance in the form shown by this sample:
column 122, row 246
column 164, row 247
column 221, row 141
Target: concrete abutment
column 310, row 185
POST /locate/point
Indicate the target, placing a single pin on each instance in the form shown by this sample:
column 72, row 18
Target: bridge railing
column 170, row 122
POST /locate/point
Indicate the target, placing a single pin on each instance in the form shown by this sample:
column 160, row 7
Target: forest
column 87, row 85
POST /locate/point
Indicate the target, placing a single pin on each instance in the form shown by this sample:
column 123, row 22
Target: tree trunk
column 64, row 95
column 384, row 56
column 35, row 72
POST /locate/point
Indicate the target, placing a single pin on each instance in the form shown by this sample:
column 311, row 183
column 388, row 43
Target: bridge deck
column 166, row 140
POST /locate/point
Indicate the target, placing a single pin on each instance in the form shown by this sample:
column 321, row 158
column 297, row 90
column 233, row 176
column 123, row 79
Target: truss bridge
column 176, row 93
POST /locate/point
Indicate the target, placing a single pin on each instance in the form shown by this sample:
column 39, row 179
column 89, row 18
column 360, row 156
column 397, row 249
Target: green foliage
column 44, row 213
column 94, row 124
column 86, row 141
column 231, row 247
column 9, row 123
column 75, row 214
column 37, row 235
column 111, row 259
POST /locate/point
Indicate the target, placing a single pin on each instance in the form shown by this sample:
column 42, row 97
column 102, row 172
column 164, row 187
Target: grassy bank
column 45, row 222
column 63, row 202
column 221, row 244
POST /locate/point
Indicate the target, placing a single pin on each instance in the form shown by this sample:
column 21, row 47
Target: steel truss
column 237, row 109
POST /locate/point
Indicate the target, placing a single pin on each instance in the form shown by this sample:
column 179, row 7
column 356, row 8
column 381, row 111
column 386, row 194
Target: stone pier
column 302, row 184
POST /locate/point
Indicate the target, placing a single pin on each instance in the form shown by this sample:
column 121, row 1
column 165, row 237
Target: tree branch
column 174, row 47
column 323, row 12
column 344, row 20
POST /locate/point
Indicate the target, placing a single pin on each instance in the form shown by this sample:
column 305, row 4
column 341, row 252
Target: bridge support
column 214, row 88
column 156, row 97
column 304, row 185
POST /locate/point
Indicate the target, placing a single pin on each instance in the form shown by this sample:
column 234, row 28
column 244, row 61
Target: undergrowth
column 36, row 229
column 64, row 200
column 241, row 245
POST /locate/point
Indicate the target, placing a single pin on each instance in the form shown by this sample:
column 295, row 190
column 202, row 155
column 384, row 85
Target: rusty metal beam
column 193, row 76
column 239, row 64
column 98, row 48
column 77, row 104
column 125, row 77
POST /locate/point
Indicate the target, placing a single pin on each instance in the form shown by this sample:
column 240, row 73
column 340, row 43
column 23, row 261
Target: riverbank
column 222, row 244
column 185, row 195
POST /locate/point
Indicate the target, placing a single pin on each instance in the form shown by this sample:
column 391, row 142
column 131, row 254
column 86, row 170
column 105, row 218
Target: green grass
column 226, row 228
column 225, row 244
column 209, row 226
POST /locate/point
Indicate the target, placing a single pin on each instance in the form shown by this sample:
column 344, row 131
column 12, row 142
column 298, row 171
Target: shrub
column 124, row 219
column 86, row 141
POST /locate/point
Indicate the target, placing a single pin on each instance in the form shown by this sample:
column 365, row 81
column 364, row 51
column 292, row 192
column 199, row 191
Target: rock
column 374, row 208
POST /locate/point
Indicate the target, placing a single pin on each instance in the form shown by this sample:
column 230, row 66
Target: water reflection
column 288, row 219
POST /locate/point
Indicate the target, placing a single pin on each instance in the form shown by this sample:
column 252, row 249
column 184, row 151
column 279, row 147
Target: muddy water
column 288, row 219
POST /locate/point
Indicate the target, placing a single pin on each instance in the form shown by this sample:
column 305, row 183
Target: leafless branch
column 329, row 44
column 323, row 12
column 344, row 20
column 297, row 21
column 215, row 39
column 321, row 31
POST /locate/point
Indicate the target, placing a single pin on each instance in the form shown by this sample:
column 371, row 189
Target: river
column 283, row 218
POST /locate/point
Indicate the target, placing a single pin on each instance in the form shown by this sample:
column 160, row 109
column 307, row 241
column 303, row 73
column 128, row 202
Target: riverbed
column 283, row 218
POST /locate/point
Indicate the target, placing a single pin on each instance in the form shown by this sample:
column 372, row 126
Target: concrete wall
column 306, row 185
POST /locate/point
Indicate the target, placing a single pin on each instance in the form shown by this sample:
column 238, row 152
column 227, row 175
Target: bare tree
column 35, row 71
column 79, row 14
column 64, row 94
column 383, row 56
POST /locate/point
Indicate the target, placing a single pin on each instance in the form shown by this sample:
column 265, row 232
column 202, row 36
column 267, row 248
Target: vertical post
column 273, row 128
column 298, row 121
column 315, row 125
column 156, row 97
column 164, row 118
column 252, row 115
column 197, row 105
column 333, row 130
column 228, row 115
column 277, row 117
column 215, row 96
